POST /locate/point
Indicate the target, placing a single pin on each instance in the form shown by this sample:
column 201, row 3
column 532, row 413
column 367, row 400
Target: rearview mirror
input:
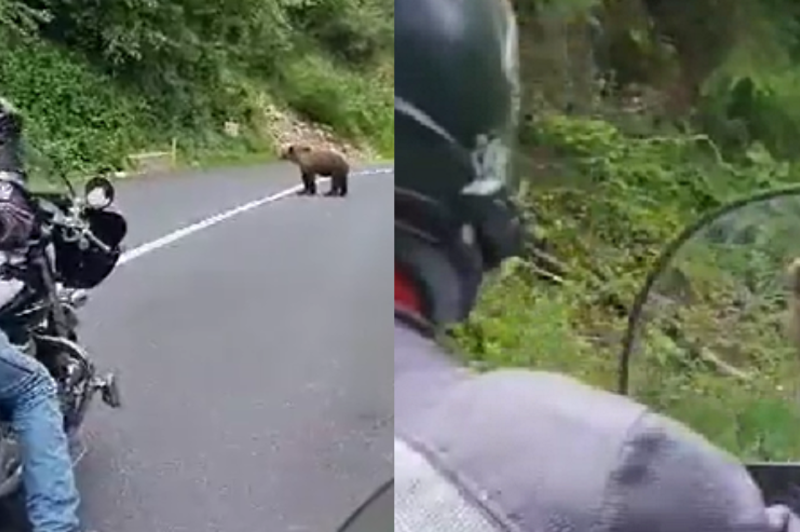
column 99, row 192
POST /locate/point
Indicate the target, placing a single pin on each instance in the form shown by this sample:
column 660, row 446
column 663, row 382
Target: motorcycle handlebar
column 77, row 230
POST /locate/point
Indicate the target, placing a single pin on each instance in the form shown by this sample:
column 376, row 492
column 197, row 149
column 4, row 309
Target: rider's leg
column 28, row 392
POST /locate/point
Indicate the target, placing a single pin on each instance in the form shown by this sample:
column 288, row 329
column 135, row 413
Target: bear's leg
column 309, row 185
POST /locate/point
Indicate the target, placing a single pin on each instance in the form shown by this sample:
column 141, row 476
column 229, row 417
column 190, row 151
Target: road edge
column 129, row 255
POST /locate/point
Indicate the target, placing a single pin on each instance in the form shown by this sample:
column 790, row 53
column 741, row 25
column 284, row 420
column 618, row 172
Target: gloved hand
column 782, row 519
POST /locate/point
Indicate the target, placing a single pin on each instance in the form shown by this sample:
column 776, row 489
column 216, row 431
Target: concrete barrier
column 152, row 162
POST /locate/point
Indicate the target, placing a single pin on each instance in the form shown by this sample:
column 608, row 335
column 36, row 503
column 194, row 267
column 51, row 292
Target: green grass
column 715, row 121
column 93, row 91
column 354, row 105
column 614, row 204
column 722, row 303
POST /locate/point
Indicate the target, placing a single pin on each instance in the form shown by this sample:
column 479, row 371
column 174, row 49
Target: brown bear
column 314, row 162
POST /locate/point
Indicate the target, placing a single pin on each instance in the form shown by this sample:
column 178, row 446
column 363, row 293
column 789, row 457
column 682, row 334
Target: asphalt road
column 254, row 355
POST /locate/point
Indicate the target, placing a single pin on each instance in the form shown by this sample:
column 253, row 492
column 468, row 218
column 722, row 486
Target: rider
column 510, row 449
column 27, row 390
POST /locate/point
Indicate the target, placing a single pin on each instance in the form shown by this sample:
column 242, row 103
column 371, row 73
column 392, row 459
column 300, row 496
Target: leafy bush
column 76, row 118
column 99, row 81
column 355, row 32
column 349, row 103
column 641, row 117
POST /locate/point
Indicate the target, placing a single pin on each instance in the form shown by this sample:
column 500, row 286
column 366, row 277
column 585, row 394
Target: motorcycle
column 713, row 336
column 75, row 247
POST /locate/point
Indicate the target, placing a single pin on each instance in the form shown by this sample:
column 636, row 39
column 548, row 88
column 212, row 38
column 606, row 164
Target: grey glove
column 781, row 519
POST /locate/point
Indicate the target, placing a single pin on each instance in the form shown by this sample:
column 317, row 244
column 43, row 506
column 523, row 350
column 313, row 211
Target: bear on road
column 318, row 162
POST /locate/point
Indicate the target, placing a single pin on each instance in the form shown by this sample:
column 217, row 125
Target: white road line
column 174, row 236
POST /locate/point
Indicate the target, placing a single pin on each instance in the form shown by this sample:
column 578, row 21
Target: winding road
column 254, row 352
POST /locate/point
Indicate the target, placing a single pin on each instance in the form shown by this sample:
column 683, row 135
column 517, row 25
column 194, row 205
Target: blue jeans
column 28, row 393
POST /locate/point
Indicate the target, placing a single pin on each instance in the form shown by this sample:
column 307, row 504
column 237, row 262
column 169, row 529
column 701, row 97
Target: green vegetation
column 101, row 80
column 641, row 116
column 716, row 339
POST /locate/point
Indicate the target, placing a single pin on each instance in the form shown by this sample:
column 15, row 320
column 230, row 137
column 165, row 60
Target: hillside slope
column 641, row 115
column 100, row 81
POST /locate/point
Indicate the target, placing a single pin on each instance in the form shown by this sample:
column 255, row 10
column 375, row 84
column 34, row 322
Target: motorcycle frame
column 53, row 332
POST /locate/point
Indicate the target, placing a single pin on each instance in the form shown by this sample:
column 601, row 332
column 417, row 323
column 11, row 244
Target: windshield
column 714, row 338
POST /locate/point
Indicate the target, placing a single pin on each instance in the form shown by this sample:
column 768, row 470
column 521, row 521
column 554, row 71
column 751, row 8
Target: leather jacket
column 17, row 219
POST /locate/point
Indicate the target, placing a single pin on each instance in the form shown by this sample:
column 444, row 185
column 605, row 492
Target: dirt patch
column 286, row 127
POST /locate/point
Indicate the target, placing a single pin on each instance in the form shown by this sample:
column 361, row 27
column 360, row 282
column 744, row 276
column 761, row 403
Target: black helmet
column 456, row 106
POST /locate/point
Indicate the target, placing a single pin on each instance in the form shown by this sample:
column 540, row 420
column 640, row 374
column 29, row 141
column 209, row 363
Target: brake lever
column 97, row 242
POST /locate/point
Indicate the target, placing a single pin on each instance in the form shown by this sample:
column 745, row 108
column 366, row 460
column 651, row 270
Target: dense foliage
column 641, row 116
column 99, row 80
